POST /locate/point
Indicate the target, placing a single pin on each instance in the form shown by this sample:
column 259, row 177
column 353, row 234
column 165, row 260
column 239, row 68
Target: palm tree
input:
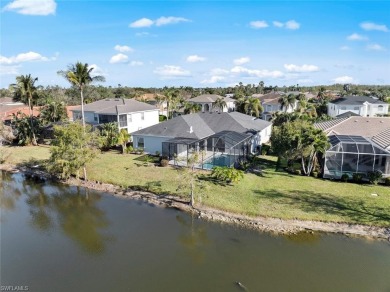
column 79, row 75
column 170, row 95
column 54, row 111
column 123, row 138
column 253, row 106
column 220, row 103
column 287, row 101
column 190, row 108
column 25, row 84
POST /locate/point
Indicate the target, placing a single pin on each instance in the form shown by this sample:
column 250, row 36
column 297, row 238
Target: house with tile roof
column 223, row 137
column 364, row 106
column 207, row 101
column 9, row 107
column 271, row 105
column 130, row 114
column 358, row 145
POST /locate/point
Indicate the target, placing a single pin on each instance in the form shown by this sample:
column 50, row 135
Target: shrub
column 387, row 181
column 157, row 153
column 265, row 149
column 227, row 174
column 129, row 149
column 164, row 162
column 344, row 177
column 374, row 176
column 297, row 172
column 314, row 174
column 162, row 118
column 357, row 177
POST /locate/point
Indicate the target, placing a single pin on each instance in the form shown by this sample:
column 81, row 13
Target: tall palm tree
column 220, row 103
column 253, row 107
column 25, row 84
column 79, row 75
column 287, row 101
column 171, row 96
column 190, row 108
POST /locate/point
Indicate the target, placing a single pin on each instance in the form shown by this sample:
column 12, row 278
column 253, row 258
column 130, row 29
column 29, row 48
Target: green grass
column 272, row 194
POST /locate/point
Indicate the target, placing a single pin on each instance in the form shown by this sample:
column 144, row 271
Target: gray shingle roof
column 329, row 124
column 209, row 98
column 356, row 100
column 382, row 139
column 201, row 125
column 347, row 115
column 117, row 105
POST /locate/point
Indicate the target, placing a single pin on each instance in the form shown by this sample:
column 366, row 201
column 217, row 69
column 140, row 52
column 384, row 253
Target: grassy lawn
column 272, row 194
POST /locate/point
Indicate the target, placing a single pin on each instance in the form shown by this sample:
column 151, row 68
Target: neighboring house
column 8, row 107
column 224, row 137
column 271, row 105
column 364, row 106
column 358, row 145
column 150, row 98
column 130, row 114
column 207, row 102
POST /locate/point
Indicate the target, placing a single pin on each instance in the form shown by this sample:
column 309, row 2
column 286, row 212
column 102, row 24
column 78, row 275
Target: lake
column 60, row 238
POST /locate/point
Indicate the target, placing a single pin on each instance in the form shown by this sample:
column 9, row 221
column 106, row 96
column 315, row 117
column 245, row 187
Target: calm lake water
column 60, row 238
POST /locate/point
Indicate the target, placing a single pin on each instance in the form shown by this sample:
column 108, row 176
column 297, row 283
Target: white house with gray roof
column 130, row 114
column 207, row 101
column 364, row 106
column 228, row 136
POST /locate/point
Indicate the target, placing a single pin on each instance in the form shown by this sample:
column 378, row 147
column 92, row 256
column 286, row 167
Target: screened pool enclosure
column 354, row 154
column 221, row 149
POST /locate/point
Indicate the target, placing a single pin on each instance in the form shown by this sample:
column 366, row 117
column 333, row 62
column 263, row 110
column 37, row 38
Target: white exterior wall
column 261, row 137
column 365, row 110
column 135, row 121
column 152, row 144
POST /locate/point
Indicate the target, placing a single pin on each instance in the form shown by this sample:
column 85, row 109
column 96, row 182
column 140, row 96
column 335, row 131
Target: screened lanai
column 221, row 149
column 354, row 154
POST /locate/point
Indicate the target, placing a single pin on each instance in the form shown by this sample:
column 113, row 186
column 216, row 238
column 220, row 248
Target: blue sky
column 198, row 43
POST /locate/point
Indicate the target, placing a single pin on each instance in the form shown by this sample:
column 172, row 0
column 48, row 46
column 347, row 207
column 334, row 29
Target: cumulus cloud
column 258, row 24
column 171, row 72
column 195, row 58
column 119, row 58
column 241, row 61
column 344, row 79
column 374, row 26
column 136, row 63
column 23, row 57
column 32, row 7
column 356, row 37
column 299, row 69
column 245, row 72
column 123, row 49
column 163, row 20
column 213, row 79
column 291, row 24
column 375, row 47
column 97, row 70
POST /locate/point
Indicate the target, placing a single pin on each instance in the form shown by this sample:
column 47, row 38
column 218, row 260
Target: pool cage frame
column 354, row 154
column 227, row 146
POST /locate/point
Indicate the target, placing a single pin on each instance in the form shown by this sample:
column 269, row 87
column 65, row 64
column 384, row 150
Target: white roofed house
column 130, row 114
column 364, row 106
column 207, row 102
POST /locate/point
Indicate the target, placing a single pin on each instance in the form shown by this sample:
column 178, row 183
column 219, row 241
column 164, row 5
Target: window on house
column 95, row 118
column 356, row 108
column 103, row 119
column 380, row 108
column 142, row 116
column 141, row 143
column 122, row 121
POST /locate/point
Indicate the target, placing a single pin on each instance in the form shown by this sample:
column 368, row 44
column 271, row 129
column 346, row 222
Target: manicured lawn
column 271, row 194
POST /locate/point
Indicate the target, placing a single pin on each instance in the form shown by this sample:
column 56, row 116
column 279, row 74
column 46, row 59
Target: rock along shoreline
column 273, row 225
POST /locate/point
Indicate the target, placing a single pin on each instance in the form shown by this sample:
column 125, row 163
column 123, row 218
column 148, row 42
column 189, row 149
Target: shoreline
column 267, row 224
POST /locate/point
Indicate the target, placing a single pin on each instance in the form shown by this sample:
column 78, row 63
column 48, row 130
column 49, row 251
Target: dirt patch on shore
column 274, row 225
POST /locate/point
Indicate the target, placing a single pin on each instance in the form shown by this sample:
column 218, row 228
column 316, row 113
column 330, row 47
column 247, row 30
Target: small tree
column 54, row 111
column 72, row 149
column 374, row 176
column 227, row 174
column 110, row 134
column 123, row 138
column 24, row 128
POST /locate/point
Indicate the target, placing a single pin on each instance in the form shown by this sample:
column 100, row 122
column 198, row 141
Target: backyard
column 270, row 193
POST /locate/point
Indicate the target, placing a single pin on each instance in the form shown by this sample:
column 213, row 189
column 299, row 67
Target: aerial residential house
column 364, row 106
column 9, row 107
column 224, row 138
column 271, row 105
column 155, row 99
column 358, row 145
column 130, row 114
column 207, row 101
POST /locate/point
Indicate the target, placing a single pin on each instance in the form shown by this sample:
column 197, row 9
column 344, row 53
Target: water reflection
column 304, row 237
column 57, row 207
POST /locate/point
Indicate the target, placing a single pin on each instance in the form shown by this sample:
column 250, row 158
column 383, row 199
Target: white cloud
column 32, row 7
column 373, row 26
column 213, row 79
column 345, row 48
column 245, row 72
column 9, row 70
column 195, row 58
column 258, row 24
column 344, row 79
column 375, row 47
column 119, row 58
column 278, row 23
column 299, row 69
column 171, row 72
column 136, row 63
column 292, row 24
column 97, row 70
column 170, row 20
column 143, row 22
column 219, row 71
column 23, row 57
column 356, row 37
column 123, row 49
column 241, row 61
